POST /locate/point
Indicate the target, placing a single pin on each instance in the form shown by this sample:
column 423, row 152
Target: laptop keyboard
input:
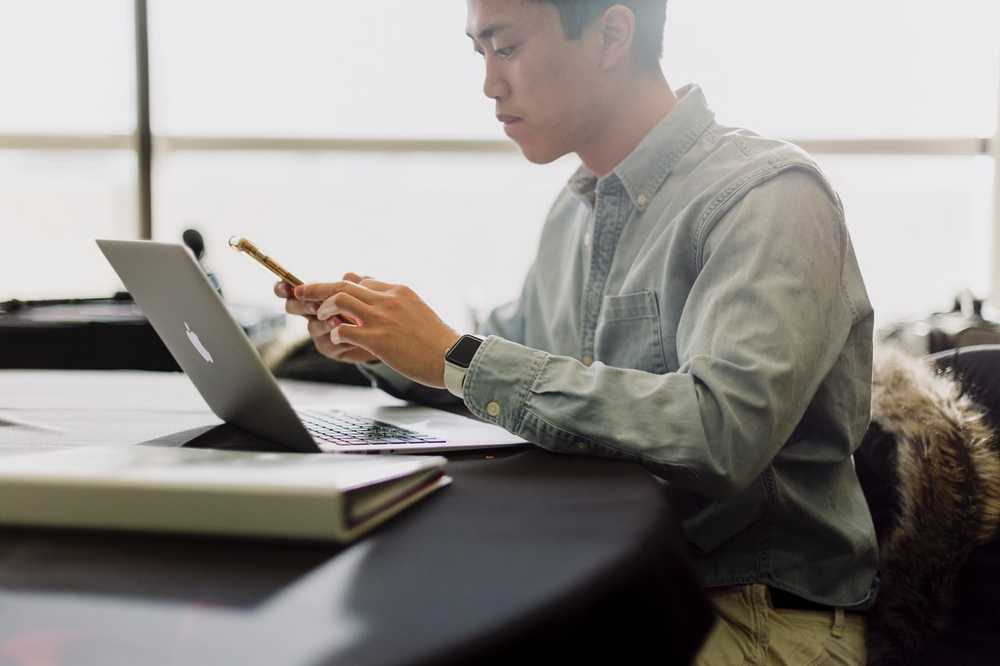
column 342, row 429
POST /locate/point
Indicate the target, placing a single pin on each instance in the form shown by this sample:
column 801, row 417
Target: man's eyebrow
column 489, row 31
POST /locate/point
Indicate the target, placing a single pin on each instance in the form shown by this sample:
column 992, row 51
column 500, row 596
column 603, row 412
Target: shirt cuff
column 498, row 380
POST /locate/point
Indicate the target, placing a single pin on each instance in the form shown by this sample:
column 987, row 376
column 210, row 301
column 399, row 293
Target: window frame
column 146, row 146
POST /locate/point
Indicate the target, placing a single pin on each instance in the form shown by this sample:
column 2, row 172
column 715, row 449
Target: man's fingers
column 329, row 349
column 355, row 278
column 343, row 304
column 295, row 307
column 375, row 285
column 315, row 291
column 357, row 336
column 320, row 329
column 320, row 291
column 283, row 290
column 346, row 353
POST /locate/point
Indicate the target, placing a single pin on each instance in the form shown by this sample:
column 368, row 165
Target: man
column 695, row 305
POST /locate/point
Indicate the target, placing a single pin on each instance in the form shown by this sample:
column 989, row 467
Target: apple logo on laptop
column 193, row 337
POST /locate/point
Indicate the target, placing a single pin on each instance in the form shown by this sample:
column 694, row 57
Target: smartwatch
column 457, row 361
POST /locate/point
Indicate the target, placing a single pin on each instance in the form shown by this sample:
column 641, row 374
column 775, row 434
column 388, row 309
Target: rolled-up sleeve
column 763, row 323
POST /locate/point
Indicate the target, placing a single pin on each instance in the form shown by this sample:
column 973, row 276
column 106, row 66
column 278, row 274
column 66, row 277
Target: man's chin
column 540, row 154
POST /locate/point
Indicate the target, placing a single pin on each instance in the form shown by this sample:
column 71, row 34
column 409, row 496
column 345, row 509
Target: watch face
column 463, row 351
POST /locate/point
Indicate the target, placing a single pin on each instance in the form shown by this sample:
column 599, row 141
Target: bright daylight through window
column 294, row 123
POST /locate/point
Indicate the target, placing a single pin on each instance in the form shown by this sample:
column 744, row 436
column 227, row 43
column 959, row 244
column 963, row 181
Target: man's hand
column 319, row 331
column 392, row 324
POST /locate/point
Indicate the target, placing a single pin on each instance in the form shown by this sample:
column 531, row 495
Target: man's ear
column 617, row 27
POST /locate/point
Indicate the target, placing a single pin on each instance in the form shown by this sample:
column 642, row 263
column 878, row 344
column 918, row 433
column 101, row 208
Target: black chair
column 973, row 637
column 978, row 370
column 926, row 450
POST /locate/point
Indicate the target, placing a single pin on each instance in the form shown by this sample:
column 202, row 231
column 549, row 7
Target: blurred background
column 355, row 136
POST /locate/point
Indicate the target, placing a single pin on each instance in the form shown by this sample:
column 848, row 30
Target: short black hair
column 650, row 17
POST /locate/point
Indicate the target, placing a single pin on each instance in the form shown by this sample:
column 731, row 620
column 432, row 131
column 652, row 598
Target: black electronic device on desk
column 106, row 333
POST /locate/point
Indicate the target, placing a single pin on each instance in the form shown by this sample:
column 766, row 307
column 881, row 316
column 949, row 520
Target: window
column 53, row 204
column 315, row 68
column 920, row 227
column 444, row 224
column 67, row 169
column 67, row 67
column 356, row 137
column 856, row 70
column 845, row 69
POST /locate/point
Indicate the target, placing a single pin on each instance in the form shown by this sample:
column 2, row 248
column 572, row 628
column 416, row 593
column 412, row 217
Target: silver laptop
column 195, row 325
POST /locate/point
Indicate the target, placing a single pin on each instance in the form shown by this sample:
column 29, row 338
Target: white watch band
column 454, row 379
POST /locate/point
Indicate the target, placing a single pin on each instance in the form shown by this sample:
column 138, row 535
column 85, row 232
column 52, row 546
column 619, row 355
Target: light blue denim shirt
column 700, row 310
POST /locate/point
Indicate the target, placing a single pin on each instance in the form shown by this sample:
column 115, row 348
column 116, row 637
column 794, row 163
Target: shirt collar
column 645, row 169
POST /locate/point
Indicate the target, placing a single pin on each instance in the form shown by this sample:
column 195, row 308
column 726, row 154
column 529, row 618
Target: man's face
column 546, row 86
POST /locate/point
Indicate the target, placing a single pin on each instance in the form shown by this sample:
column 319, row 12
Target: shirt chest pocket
column 629, row 334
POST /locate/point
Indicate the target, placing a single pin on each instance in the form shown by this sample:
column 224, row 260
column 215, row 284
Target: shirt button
column 642, row 200
column 587, row 360
column 493, row 409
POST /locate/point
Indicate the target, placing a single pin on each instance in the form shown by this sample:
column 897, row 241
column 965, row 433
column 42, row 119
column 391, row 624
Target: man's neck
column 643, row 104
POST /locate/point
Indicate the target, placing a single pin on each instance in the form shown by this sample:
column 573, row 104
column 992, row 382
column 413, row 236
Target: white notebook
column 204, row 491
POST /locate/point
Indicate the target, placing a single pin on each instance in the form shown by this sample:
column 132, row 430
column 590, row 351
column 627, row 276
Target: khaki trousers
column 749, row 630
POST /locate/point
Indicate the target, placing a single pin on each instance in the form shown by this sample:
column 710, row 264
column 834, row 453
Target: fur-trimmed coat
column 930, row 468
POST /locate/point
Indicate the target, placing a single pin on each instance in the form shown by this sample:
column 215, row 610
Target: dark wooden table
column 527, row 554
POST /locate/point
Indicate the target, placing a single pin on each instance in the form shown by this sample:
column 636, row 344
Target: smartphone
column 248, row 248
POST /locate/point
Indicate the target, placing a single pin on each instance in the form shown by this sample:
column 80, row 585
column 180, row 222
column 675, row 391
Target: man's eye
column 505, row 53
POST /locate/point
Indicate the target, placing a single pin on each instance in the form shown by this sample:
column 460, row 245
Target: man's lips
column 507, row 120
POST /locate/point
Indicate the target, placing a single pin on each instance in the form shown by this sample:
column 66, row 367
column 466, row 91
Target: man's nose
column 494, row 86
